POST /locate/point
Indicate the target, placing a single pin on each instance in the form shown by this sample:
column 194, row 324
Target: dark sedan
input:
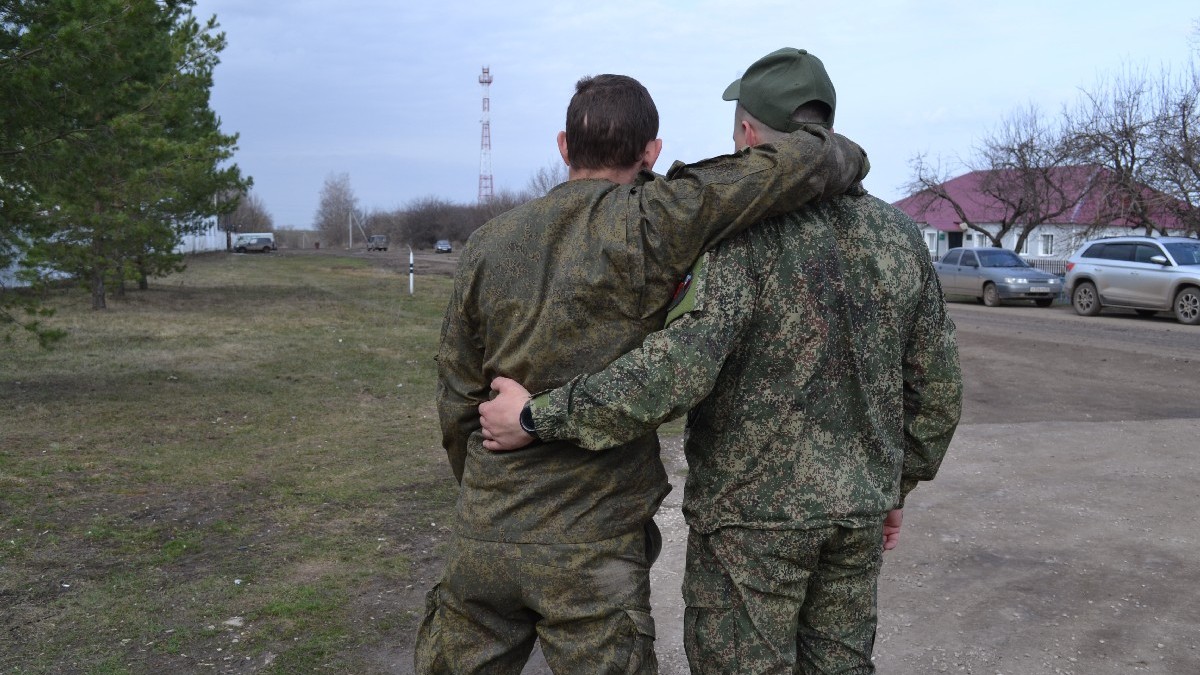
column 993, row 275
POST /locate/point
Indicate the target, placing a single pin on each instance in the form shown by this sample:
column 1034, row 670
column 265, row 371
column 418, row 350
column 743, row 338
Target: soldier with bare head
column 554, row 543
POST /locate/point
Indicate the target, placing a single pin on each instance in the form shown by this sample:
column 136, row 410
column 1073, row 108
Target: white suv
column 1145, row 274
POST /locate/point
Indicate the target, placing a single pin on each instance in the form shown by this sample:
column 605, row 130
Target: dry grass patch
column 252, row 438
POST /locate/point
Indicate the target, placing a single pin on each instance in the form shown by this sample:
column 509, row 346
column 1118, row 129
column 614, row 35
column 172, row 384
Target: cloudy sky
column 387, row 90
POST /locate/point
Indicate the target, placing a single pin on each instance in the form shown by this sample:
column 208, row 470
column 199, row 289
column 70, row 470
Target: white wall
column 211, row 239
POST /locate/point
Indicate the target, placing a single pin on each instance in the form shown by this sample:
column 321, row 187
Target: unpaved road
column 1061, row 534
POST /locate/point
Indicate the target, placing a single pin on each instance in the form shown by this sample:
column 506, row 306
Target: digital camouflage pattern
column 482, row 617
column 821, row 364
column 782, row 601
column 823, row 370
column 570, row 281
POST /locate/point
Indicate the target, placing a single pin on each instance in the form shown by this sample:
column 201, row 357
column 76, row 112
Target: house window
column 931, row 242
column 1047, row 244
column 1024, row 247
column 968, row 239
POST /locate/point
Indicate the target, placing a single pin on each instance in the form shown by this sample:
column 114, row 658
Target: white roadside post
column 410, row 271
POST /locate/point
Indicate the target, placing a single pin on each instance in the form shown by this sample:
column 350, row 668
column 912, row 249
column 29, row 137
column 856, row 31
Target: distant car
column 993, row 275
column 248, row 240
column 1145, row 274
column 256, row 245
column 442, row 246
column 377, row 242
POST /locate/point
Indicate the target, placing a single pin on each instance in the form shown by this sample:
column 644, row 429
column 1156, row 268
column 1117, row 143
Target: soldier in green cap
column 821, row 372
column 555, row 543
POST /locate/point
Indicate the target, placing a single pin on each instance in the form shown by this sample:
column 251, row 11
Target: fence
column 1053, row 266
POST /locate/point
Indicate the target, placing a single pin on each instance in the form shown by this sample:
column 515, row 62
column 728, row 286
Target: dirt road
column 1060, row 536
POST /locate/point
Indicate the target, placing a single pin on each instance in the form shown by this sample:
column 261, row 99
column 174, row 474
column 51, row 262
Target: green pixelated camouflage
column 821, row 365
column 571, row 281
column 588, row 604
column 782, row 601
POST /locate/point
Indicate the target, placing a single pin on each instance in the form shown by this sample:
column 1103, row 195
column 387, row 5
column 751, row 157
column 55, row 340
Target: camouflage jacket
column 821, row 364
column 567, row 283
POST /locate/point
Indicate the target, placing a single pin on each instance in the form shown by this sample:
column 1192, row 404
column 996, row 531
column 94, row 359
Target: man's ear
column 651, row 153
column 750, row 133
column 562, row 147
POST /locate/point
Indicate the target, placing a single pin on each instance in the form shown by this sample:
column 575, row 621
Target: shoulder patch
column 684, row 299
column 681, row 290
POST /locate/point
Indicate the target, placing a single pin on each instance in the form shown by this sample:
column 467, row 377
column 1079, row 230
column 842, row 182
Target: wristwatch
column 527, row 421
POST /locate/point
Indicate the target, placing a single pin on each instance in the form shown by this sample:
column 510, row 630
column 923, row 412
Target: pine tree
column 109, row 151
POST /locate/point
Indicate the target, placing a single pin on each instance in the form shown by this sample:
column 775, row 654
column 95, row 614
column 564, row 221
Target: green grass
column 253, row 438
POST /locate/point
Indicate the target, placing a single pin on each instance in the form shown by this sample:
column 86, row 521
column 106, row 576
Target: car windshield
column 999, row 258
column 1185, row 253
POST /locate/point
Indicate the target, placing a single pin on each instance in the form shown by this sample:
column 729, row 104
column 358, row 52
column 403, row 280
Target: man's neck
column 623, row 176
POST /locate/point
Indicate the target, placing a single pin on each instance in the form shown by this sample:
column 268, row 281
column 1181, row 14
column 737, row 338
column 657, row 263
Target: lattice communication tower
column 485, row 141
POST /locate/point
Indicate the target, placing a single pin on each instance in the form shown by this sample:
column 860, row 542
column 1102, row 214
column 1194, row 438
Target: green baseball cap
column 778, row 83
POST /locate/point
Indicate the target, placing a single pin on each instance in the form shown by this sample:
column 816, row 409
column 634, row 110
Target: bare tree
column 431, row 218
column 251, row 215
column 337, row 205
column 1030, row 173
column 928, row 186
column 1176, row 145
column 390, row 223
column 546, row 178
column 1113, row 127
column 1021, row 180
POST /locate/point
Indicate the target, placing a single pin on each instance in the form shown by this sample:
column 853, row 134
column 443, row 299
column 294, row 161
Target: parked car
column 247, row 238
column 993, row 275
column 442, row 246
column 377, row 242
column 256, row 245
column 1145, row 274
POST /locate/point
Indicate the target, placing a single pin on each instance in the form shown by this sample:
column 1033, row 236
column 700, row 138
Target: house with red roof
column 1066, row 206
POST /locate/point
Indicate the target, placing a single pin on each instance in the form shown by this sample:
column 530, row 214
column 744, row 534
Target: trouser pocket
column 642, row 659
column 427, row 653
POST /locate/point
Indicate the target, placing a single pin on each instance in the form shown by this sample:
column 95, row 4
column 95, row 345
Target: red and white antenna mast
column 485, row 142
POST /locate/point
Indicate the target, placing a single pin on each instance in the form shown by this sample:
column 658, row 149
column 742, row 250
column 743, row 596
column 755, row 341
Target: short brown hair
column 610, row 120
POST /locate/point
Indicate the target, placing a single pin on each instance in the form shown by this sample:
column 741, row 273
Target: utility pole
column 485, row 142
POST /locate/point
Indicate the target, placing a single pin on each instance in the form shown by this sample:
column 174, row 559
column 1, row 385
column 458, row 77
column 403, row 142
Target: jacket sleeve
column 662, row 379
column 932, row 389
column 461, row 386
column 697, row 205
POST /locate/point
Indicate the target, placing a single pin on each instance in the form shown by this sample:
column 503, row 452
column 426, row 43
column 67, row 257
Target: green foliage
column 109, row 149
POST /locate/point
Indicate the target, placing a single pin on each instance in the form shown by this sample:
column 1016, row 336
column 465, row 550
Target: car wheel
column 240, row 249
column 1187, row 306
column 1085, row 299
column 991, row 297
column 1043, row 302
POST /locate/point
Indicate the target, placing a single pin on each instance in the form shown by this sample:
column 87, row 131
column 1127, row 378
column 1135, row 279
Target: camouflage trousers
column 782, row 601
column 588, row 605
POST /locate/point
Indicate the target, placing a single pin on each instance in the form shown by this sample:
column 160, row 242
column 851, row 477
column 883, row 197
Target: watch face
column 527, row 421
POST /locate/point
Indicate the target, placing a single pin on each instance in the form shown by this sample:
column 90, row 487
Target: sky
column 387, row 91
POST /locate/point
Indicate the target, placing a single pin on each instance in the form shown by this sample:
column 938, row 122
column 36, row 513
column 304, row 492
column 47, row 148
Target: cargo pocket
column 426, row 653
column 641, row 655
column 705, row 581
